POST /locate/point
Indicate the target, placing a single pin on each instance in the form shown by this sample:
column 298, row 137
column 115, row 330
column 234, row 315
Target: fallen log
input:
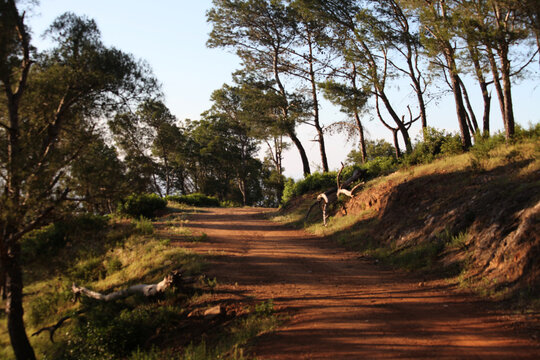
column 147, row 290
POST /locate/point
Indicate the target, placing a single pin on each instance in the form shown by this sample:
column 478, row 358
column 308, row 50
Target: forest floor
column 340, row 305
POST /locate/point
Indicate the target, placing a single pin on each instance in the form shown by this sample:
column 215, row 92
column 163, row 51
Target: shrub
column 312, row 182
column 229, row 204
column 144, row 226
column 288, row 191
column 48, row 239
column 380, row 166
column 435, row 142
column 481, row 149
column 196, row 199
column 532, row 133
column 316, row 182
column 145, row 205
column 90, row 269
column 111, row 331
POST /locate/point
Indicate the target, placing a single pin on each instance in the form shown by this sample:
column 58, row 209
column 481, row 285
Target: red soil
column 342, row 306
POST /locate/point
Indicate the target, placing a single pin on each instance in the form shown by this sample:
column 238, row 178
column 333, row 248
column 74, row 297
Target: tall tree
column 497, row 26
column 45, row 99
column 98, row 176
column 437, row 19
column 232, row 110
column 308, row 61
column 351, row 98
column 258, row 30
column 352, row 25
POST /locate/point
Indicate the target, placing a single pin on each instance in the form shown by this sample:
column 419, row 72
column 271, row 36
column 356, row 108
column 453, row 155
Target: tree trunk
column 474, row 54
column 14, row 309
column 497, row 83
column 458, row 97
column 417, row 87
column 473, row 125
column 285, row 112
column 316, row 119
column 360, row 128
column 487, row 109
column 509, row 124
column 359, row 125
column 303, row 156
column 396, row 143
column 400, row 124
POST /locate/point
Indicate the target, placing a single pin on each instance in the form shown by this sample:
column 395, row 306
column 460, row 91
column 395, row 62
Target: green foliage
column 419, row 257
column 380, row 166
column 144, row 226
column 374, row 149
column 481, row 149
column 265, row 308
column 229, row 204
column 87, row 270
column 231, row 343
column 113, row 330
column 45, row 305
column 435, row 143
column 533, row 132
column 196, row 199
column 48, row 239
column 312, row 182
column 288, row 191
column 113, row 265
column 145, row 205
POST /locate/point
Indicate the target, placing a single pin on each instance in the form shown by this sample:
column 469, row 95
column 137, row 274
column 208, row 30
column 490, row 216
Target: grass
column 144, row 226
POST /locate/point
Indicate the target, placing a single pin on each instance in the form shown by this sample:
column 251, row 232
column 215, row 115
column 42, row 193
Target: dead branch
column 331, row 196
column 51, row 329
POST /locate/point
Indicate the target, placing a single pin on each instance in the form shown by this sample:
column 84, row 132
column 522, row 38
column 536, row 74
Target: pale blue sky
column 171, row 36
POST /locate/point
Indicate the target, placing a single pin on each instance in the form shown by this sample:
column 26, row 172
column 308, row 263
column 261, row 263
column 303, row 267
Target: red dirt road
column 345, row 307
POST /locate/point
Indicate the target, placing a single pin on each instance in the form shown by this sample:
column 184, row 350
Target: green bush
column 532, row 133
column 144, row 226
column 288, row 191
column 435, row 143
column 145, row 205
column 312, row 182
column 112, row 331
column 196, row 199
column 316, row 182
column 89, row 269
column 229, row 204
column 380, row 166
column 48, row 239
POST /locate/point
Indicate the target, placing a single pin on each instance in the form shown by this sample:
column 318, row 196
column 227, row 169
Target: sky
column 171, row 36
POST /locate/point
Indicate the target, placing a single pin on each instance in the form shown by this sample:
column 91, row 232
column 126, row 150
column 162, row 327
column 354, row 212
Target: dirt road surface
column 342, row 306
